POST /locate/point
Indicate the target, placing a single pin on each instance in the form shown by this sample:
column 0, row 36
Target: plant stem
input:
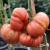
column 4, row 11
column 29, row 7
column 1, row 4
column 5, row 14
column 1, row 8
column 45, row 40
column 9, row 7
column 10, row 47
column 1, row 16
column 33, row 8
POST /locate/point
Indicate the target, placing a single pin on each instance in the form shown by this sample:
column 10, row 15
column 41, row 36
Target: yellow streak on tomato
column 42, row 22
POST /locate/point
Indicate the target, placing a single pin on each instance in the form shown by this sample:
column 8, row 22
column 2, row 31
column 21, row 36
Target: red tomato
column 20, row 13
column 34, row 29
column 16, row 23
column 37, row 41
column 42, row 19
column 19, row 18
column 9, row 35
column 27, row 40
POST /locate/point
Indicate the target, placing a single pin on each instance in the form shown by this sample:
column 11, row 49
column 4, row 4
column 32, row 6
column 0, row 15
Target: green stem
column 9, row 7
column 2, row 8
column 31, row 9
column 5, row 14
column 1, row 4
column 45, row 40
column 10, row 47
column 1, row 16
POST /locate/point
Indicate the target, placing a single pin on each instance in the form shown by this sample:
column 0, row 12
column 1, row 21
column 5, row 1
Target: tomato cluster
column 33, row 36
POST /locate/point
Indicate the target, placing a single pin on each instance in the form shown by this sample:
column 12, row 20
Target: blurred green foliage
column 43, row 5
column 40, row 5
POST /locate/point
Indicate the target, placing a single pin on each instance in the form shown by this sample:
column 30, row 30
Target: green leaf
column 7, row 20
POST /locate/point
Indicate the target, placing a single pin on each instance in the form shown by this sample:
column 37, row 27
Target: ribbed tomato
column 21, row 13
column 9, row 35
column 19, row 18
column 38, row 25
column 27, row 40
column 37, row 41
column 42, row 19
column 16, row 23
column 34, row 29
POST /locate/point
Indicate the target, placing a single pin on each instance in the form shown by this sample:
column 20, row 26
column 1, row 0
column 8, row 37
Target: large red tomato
column 21, row 13
column 19, row 18
column 27, row 40
column 42, row 19
column 16, row 23
column 34, row 29
column 9, row 35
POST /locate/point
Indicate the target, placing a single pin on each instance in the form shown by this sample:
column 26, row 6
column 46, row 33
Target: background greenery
column 6, row 7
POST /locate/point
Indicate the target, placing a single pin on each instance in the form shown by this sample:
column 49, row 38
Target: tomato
column 19, row 18
column 9, row 35
column 21, row 13
column 27, row 40
column 42, row 19
column 37, row 41
column 34, row 29
column 16, row 23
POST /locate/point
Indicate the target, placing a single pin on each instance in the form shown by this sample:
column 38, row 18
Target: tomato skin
column 19, row 19
column 42, row 19
column 37, row 41
column 20, row 13
column 27, row 40
column 16, row 23
column 34, row 29
column 9, row 35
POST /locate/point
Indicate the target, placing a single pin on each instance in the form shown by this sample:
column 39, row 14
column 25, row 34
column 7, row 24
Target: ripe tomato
column 34, row 29
column 27, row 40
column 37, row 41
column 9, row 35
column 42, row 19
column 21, row 13
column 16, row 23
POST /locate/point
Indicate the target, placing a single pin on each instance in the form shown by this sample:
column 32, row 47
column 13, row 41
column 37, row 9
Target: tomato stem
column 31, row 7
column 9, row 7
column 10, row 47
column 45, row 40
